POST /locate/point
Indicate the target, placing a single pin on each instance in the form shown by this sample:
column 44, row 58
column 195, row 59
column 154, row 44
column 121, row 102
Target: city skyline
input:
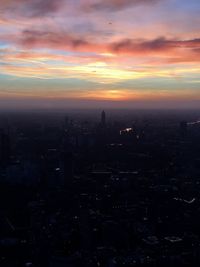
column 117, row 53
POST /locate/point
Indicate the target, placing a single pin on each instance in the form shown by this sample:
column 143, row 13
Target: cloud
column 34, row 37
column 30, row 8
column 155, row 45
column 115, row 5
column 162, row 47
column 57, row 40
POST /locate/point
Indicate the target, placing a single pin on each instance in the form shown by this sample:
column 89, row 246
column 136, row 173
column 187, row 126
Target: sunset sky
column 88, row 53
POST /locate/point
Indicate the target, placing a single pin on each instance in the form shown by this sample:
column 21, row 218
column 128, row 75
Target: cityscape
column 111, row 188
column 99, row 133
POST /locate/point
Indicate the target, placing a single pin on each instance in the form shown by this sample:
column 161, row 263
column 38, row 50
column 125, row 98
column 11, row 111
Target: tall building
column 103, row 118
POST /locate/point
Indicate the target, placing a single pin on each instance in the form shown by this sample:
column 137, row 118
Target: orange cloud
column 166, row 50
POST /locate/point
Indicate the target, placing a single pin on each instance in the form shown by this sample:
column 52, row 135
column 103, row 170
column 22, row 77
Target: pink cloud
column 30, row 7
column 168, row 50
column 115, row 5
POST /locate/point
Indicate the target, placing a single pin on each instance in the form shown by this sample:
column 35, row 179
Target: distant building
column 126, row 131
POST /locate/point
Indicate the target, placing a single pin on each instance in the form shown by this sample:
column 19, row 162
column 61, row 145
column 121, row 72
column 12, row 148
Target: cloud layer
column 164, row 50
column 30, row 7
column 115, row 5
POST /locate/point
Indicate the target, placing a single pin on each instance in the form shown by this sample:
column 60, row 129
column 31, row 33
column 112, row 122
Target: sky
column 96, row 53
